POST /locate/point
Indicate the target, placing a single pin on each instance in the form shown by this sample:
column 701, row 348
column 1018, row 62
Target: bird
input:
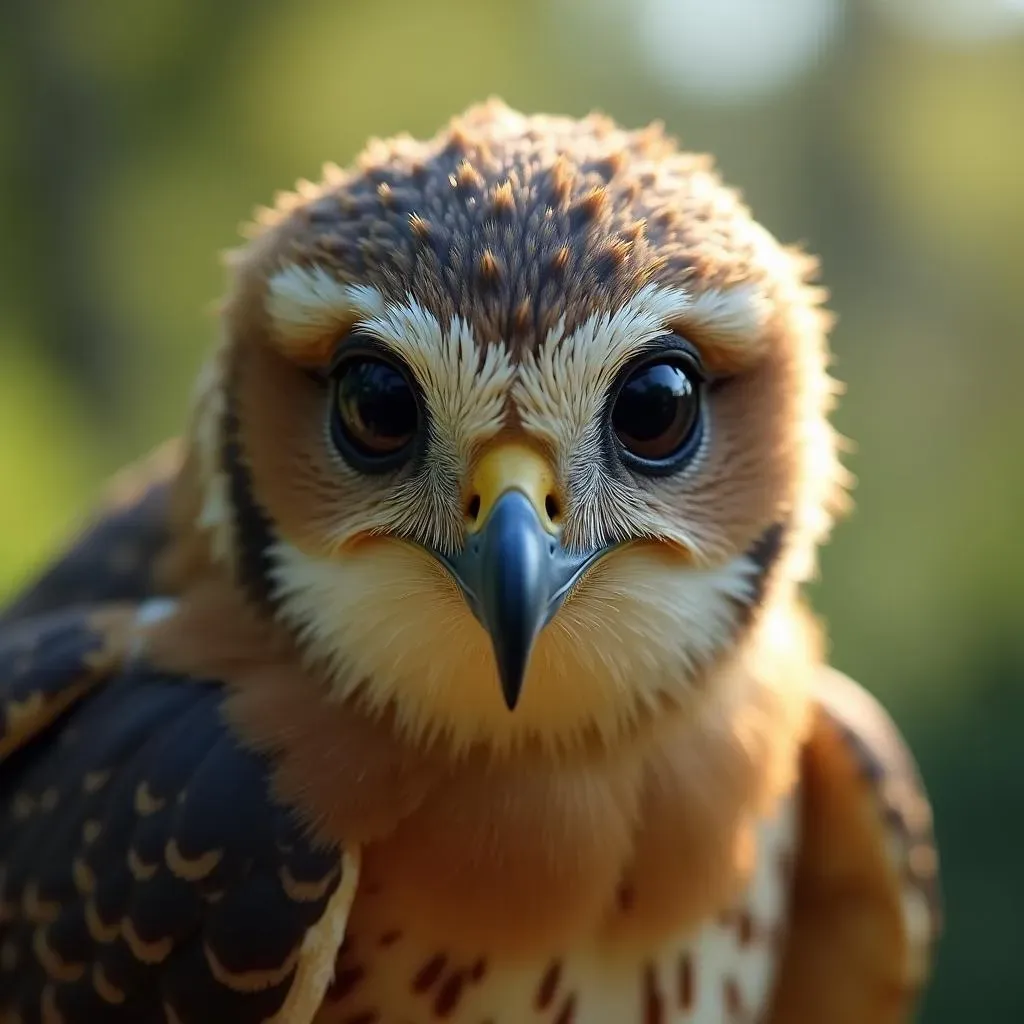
column 453, row 663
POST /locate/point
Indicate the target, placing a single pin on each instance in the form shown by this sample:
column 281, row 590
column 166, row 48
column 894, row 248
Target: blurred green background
column 888, row 136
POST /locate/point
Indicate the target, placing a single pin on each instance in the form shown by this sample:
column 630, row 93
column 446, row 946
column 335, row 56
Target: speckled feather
column 520, row 223
column 146, row 874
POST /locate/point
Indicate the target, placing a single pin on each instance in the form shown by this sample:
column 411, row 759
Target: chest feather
column 722, row 971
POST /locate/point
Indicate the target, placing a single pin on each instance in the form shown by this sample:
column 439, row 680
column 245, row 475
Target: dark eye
column 656, row 415
column 374, row 415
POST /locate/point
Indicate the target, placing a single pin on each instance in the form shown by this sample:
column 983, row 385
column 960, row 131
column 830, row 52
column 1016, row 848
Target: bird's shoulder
column 112, row 556
column 147, row 871
column 867, row 906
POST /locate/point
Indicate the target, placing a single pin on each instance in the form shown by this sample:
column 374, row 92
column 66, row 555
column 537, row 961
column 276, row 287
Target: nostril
column 473, row 508
column 552, row 508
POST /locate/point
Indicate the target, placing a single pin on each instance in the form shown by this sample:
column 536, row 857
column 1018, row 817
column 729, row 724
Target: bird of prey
column 453, row 665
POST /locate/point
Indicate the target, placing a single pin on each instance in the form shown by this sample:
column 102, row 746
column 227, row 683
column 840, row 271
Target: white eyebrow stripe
column 305, row 302
column 734, row 316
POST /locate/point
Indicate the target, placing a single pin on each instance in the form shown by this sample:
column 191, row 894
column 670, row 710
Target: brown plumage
column 685, row 818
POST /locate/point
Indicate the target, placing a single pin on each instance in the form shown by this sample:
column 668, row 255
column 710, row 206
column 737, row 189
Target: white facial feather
column 731, row 316
column 636, row 631
column 651, row 621
column 304, row 303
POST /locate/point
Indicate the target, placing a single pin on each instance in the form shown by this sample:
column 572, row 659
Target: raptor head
column 518, row 429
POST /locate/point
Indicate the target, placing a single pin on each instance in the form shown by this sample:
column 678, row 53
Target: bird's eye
column 374, row 413
column 656, row 415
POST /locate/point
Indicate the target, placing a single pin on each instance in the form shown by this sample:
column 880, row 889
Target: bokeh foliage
column 135, row 138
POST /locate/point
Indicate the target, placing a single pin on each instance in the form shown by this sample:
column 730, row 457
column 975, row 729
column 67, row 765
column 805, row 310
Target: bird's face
column 518, row 428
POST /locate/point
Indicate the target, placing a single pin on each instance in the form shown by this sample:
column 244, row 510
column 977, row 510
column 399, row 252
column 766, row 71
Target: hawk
column 452, row 666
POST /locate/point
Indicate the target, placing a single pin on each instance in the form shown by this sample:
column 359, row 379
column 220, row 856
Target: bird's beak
column 513, row 570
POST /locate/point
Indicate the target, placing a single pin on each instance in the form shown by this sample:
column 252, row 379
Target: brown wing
column 147, row 873
column 867, row 904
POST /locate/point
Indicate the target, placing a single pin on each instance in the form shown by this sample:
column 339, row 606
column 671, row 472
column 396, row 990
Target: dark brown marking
column 478, row 971
column 654, row 1006
column 765, row 553
column 346, row 981
column 253, row 530
column 389, row 938
column 567, row 1014
column 428, row 974
column 733, row 999
column 449, row 995
column 548, row 985
column 686, row 982
column 626, row 897
column 745, row 927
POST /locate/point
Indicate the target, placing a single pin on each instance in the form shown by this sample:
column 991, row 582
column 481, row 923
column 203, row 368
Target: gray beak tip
column 514, row 575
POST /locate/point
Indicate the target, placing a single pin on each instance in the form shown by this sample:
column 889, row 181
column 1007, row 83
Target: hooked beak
column 512, row 570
